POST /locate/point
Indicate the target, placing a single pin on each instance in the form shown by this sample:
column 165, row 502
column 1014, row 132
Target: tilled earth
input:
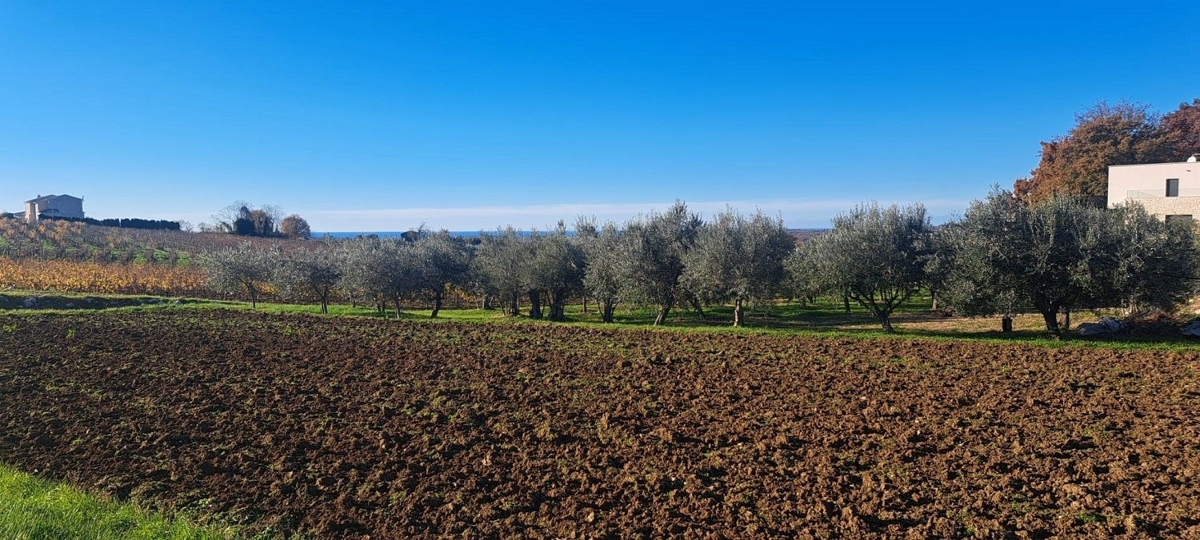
column 334, row 427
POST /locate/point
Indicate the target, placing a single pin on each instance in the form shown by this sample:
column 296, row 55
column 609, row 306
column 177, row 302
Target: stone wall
column 1170, row 206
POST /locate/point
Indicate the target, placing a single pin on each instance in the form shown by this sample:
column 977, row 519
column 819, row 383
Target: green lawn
column 32, row 508
column 826, row 317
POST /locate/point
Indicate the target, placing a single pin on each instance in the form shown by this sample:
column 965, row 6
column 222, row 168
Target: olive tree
column 738, row 259
column 498, row 266
column 240, row 268
column 1062, row 254
column 379, row 268
column 801, row 281
column 556, row 269
column 1156, row 261
column 652, row 251
column 439, row 260
column 873, row 256
column 602, row 276
column 980, row 260
column 309, row 273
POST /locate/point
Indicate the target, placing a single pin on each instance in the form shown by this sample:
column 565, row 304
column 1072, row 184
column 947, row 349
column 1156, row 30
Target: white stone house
column 53, row 206
column 1169, row 191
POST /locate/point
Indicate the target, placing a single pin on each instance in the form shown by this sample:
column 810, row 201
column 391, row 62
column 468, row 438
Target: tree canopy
column 1076, row 164
column 243, row 219
column 295, row 226
column 652, row 251
column 1061, row 254
column 739, row 259
column 308, row 274
column 1183, row 127
column 873, row 256
column 602, row 276
column 244, row 267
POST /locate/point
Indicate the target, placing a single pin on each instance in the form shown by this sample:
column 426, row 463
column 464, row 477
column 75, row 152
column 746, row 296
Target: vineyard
column 66, row 240
column 101, row 278
column 70, row 256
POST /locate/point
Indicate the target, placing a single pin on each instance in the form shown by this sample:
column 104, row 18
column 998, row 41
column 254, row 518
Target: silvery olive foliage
column 738, row 259
column 652, row 250
column 1063, row 254
column 308, row 274
column 874, row 256
column 1005, row 256
column 242, row 268
column 602, row 278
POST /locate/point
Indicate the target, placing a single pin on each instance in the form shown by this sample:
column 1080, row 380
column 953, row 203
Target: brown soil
column 346, row 428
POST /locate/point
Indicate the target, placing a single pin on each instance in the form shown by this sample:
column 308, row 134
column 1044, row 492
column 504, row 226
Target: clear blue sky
column 470, row 115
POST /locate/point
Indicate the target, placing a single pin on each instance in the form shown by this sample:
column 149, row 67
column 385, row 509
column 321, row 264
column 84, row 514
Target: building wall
column 62, row 206
column 1147, row 185
column 68, row 207
column 1171, row 206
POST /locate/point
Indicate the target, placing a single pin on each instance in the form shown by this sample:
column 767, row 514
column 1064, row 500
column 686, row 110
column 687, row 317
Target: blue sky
column 471, row 115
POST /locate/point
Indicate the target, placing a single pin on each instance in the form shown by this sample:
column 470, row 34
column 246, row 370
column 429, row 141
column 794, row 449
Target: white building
column 1168, row 190
column 53, row 206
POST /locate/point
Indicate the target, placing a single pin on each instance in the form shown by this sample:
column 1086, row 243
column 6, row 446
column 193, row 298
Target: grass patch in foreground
column 32, row 508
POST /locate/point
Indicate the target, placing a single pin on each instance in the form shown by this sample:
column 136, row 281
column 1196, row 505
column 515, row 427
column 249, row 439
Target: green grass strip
column 823, row 319
column 32, row 508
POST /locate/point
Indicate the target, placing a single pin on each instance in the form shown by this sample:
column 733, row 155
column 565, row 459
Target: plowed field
column 353, row 428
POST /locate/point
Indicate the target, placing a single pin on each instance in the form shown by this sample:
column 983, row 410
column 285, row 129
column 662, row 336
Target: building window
column 1179, row 218
column 1172, row 187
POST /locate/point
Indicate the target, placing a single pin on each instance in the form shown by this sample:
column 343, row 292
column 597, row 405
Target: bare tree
column 223, row 220
column 274, row 213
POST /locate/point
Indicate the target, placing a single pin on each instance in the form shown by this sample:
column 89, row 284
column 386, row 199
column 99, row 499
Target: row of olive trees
column 385, row 271
column 660, row 260
column 391, row 270
column 1004, row 257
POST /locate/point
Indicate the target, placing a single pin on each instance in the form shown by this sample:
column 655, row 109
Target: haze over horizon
column 472, row 115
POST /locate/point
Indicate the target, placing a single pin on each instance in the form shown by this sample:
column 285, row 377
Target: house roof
column 49, row 198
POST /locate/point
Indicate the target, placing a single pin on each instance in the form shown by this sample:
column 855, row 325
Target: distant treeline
column 128, row 223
